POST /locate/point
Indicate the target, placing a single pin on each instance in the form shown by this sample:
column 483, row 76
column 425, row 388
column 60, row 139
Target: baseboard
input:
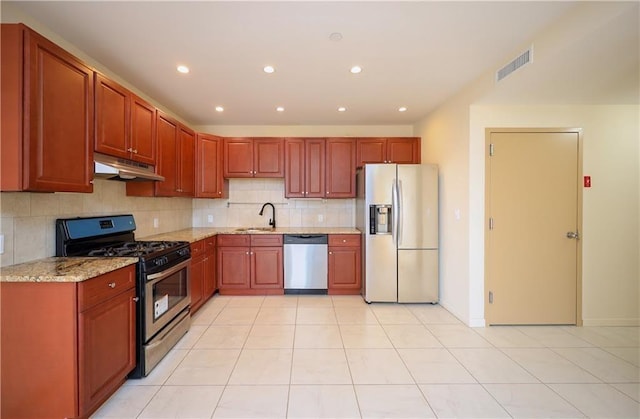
column 611, row 322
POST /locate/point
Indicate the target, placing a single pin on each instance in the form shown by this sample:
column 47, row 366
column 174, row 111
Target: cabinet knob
column 130, row 150
column 112, row 285
column 344, row 240
column 136, row 299
column 135, row 151
column 247, row 253
column 330, row 253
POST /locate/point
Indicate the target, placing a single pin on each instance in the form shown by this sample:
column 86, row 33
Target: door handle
column 573, row 235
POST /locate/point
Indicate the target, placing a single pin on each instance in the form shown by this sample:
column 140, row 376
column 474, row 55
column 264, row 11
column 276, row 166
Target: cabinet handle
column 112, row 285
column 136, row 299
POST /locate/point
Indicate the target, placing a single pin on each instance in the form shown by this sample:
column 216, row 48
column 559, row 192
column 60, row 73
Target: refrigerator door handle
column 395, row 213
column 399, row 212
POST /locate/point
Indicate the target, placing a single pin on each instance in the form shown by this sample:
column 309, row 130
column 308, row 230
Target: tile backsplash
column 28, row 219
column 246, row 197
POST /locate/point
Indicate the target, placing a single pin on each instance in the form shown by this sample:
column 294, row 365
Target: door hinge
column 490, row 223
column 490, row 149
column 490, row 297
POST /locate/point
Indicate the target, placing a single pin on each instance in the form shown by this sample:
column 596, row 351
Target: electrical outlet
column 320, row 218
column 155, row 223
column 210, row 218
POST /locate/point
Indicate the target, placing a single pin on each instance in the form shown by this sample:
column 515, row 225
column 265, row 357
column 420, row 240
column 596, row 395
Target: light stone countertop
column 192, row 235
column 63, row 269
column 77, row 269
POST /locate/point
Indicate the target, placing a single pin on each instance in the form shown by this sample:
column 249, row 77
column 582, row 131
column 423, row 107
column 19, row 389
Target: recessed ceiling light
column 183, row 69
column 280, row 109
column 342, row 109
column 402, row 109
column 336, row 36
column 268, row 69
column 356, row 69
column 219, row 109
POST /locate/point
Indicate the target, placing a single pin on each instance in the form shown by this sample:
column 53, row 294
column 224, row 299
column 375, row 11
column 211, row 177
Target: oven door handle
column 169, row 271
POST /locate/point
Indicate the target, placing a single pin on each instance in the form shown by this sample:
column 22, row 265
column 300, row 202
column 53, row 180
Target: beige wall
column 28, row 219
column 453, row 137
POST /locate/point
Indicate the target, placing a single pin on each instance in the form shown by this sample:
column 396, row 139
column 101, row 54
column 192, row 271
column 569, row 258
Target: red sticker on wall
column 587, row 181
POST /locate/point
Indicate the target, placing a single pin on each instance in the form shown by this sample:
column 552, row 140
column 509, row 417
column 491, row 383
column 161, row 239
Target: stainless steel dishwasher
column 305, row 263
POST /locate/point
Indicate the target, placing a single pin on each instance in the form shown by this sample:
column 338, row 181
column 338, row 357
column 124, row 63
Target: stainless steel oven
column 162, row 280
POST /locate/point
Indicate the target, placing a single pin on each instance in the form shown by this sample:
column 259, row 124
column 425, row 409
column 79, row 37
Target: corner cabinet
column 401, row 150
column 69, row 346
column 250, row 264
column 210, row 182
column 47, row 113
column 253, row 157
column 345, row 264
column 341, row 168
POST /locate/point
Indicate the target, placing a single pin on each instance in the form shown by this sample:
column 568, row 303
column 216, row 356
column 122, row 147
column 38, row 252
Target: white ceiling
column 414, row 54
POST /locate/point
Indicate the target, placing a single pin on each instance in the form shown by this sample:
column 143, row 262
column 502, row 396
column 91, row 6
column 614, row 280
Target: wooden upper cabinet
column 47, row 115
column 238, row 157
column 268, row 157
column 210, row 182
column 253, row 157
column 143, row 131
column 186, row 149
column 113, row 113
column 167, row 133
column 125, row 123
column 402, row 150
column 305, row 167
column 341, row 168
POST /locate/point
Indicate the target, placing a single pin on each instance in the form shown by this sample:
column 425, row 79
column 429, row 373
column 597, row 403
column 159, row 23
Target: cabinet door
column 209, row 180
column 59, row 125
column 371, row 150
column 167, row 158
column 315, row 173
column 266, row 267
column 112, row 118
column 106, row 348
column 403, row 150
column 186, row 162
column 268, row 157
column 210, row 284
column 143, row 131
column 294, row 157
column 197, row 283
column 238, row 157
column 344, row 268
column 341, row 168
column 233, row 267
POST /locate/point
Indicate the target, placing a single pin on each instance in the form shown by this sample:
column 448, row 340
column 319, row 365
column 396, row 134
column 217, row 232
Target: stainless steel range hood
column 115, row 168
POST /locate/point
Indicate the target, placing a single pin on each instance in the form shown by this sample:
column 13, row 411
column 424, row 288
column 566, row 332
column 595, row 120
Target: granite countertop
column 63, row 269
column 198, row 233
column 77, row 269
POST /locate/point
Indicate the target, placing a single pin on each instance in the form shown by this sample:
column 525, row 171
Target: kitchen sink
column 253, row 229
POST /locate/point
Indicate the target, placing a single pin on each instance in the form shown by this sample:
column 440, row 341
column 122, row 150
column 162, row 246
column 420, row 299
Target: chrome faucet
column 272, row 223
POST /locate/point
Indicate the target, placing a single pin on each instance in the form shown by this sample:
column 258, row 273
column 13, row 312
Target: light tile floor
column 338, row 357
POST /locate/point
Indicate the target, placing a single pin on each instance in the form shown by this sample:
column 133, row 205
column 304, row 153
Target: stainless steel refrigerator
column 397, row 211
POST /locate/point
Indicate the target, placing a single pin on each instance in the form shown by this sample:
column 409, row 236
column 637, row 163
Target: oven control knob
column 161, row 261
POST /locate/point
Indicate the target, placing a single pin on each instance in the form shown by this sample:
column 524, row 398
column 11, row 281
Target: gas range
column 162, row 280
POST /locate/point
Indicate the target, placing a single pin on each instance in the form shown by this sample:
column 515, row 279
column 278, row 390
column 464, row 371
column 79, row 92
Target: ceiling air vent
column 518, row 62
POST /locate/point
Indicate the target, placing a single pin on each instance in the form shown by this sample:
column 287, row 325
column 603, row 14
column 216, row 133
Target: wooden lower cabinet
column 203, row 272
column 66, row 346
column 344, row 264
column 250, row 264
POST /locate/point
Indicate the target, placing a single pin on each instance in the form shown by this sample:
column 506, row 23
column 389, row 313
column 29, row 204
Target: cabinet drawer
column 344, row 240
column 266, row 240
column 103, row 287
column 233, row 240
column 197, row 249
